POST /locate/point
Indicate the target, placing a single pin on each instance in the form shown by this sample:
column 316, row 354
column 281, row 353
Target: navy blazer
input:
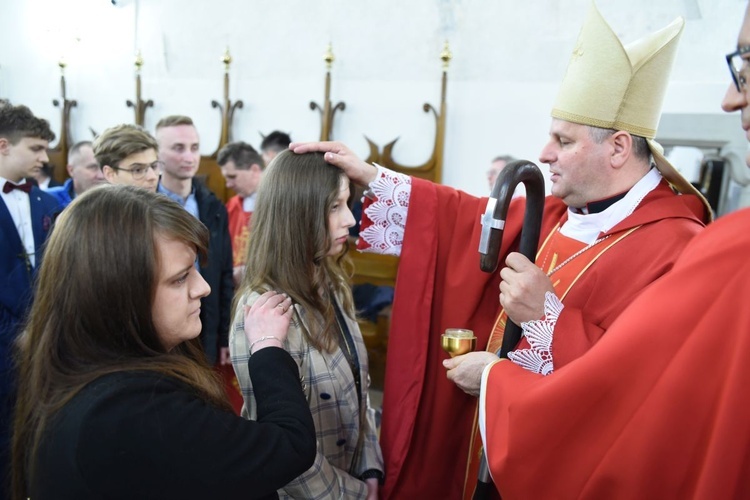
column 16, row 274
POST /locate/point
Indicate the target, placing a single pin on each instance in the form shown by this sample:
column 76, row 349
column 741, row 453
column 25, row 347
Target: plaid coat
column 345, row 428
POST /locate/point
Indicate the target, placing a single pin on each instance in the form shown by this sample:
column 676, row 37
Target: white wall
column 509, row 57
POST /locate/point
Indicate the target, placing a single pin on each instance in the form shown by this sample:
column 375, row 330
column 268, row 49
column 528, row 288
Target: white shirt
column 19, row 207
column 248, row 204
column 587, row 227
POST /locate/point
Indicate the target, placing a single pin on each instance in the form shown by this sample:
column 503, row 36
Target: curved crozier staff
column 493, row 223
column 139, row 106
column 432, row 169
column 228, row 108
column 59, row 154
column 327, row 112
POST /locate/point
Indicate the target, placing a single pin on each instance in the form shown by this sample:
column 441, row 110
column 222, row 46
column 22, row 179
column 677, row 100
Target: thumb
column 451, row 363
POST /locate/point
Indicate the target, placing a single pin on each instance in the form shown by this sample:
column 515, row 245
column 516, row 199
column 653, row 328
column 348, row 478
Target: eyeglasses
column 738, row 67
column 138, row 170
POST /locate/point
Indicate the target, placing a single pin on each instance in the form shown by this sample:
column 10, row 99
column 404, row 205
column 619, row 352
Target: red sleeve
column 439, row 286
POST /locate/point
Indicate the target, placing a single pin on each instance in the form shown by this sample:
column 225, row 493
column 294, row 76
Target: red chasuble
column 239, row 230
column 427, row 420
column 657, row 409
column 565, row 261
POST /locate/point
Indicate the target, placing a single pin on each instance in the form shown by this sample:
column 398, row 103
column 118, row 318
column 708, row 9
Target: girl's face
column 340, row 219
column 179, row 289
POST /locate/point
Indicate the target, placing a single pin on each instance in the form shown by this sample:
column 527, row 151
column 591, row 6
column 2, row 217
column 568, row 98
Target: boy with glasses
column 128, row 155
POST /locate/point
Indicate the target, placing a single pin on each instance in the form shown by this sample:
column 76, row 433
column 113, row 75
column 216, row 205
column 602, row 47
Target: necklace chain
column 579, row 252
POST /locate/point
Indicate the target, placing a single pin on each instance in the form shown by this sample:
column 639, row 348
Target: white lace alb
column 388, row 213
column 538, row 358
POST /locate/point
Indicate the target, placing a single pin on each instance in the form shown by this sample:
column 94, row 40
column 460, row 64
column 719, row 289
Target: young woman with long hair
column 115, row 398
column 298, row 244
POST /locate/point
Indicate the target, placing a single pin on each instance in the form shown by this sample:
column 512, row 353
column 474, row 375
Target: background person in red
column 242, row 168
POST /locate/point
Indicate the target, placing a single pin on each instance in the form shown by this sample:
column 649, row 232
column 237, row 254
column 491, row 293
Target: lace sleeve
column 538, row 358
column 384, row 215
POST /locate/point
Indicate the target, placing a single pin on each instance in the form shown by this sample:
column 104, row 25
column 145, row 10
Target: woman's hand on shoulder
column 267, row 321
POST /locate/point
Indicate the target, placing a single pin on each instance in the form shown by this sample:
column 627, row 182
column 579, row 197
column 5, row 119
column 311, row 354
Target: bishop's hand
column 522, row 289
column 338, row 155
column 466, row 370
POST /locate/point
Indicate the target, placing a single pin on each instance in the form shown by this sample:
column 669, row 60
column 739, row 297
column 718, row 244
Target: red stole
column 564, row 260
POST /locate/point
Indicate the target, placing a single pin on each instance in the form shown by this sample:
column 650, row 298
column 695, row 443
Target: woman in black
column 114, row 399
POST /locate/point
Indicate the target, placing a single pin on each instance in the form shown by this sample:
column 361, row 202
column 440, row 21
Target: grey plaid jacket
column 345, row 428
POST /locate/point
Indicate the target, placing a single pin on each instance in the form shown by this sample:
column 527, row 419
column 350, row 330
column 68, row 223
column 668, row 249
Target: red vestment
column 239, row 229
column 657, row 409
column 427, row 420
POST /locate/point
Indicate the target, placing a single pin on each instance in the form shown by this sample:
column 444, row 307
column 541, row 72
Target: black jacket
column 216, row 308
column 143, row 435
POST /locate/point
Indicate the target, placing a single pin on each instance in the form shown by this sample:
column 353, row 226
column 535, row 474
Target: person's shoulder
column 48, row 201
column 61, row 193
column 202, row 190
column 115, row 392
column 730, row 230
column 139, row 378
column 55, row 189
column 248, row 298
column 234, row 203
column 207, row 199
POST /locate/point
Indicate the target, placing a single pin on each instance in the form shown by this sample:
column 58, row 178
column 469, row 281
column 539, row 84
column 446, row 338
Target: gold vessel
column 456, row 341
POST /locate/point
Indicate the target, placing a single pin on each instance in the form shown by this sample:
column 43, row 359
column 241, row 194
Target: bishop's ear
column 622, row 148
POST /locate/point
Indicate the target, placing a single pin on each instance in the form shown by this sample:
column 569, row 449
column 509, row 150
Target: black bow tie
column 9, row 186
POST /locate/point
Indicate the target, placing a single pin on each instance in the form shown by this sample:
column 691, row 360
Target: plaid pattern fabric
column 339, row 418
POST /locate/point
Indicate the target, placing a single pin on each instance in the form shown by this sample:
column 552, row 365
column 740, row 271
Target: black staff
column 493, row 223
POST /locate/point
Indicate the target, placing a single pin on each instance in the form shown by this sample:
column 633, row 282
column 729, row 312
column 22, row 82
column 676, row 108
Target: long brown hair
column 290, row 240
column 92, row 314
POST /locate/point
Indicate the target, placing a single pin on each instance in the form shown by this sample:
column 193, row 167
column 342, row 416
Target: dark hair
column 291, row 213
column 92, row 314
column 275, row 141
column 242, row 154
column 118, row 142
column 641, row 151
column 17, row 122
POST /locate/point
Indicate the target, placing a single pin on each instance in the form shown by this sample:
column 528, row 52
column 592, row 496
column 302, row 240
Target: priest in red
column 612, row 226
column 242, row 168
column 659, row 407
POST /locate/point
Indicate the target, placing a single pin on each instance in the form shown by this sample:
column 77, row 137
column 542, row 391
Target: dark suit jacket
column 216, row 308
column 143, row 435
column 16, row 292
column 16, row 276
